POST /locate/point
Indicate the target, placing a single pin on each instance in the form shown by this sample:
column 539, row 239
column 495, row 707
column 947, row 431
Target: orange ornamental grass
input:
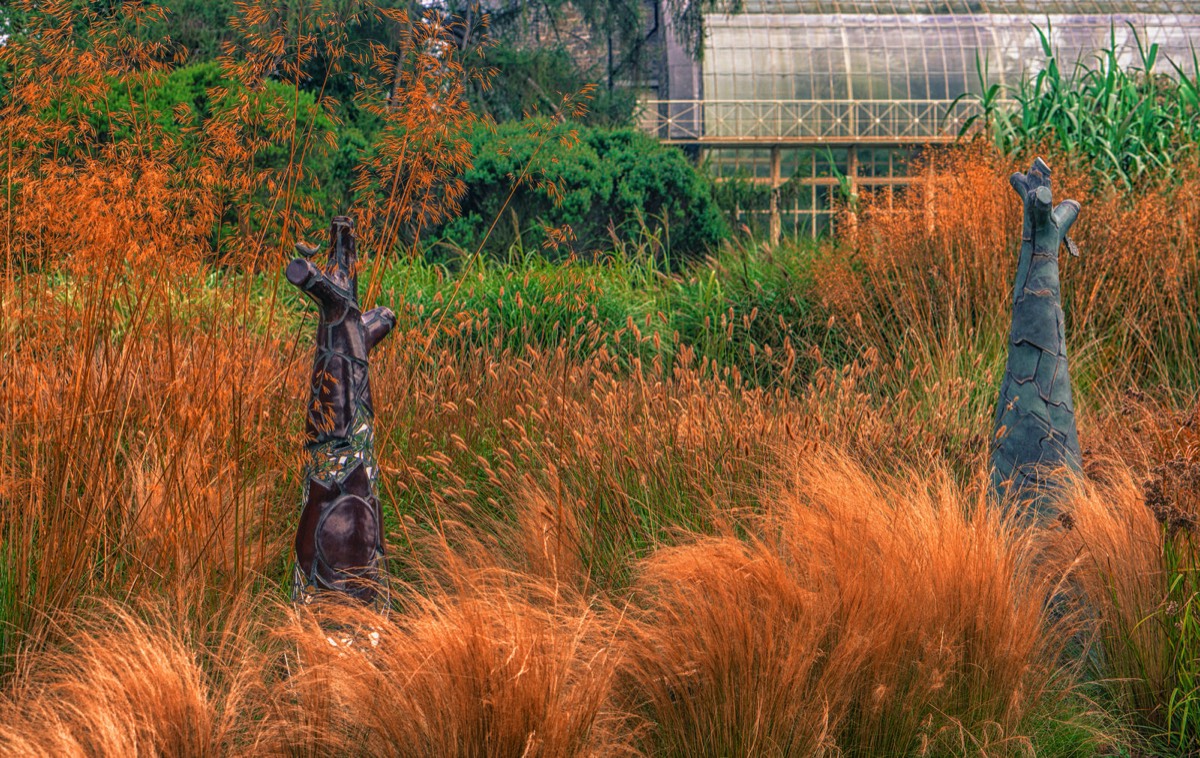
column 1115, row 550
column 506, row 669
column 503, row 666
column 801, row 599
column 935, row 266
column 667, row 558
column 869, row 614
column 864, row 614
column 124, row 684
column 146, row 442
column 1132, row 554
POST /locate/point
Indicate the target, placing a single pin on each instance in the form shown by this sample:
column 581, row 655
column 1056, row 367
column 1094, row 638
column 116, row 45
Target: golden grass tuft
column 117, row 685
column 864, row 613
column 870, row 614
column 1115, row 547
column 504, row 667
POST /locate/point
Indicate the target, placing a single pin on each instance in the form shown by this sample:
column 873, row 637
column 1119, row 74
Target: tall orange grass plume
column 418, row 89
column 121, row 680
column 870, row 614
column 144, row 448
column 91, row 177
column 503, row 666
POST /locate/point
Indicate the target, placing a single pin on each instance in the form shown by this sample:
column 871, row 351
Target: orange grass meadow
column 612, row 542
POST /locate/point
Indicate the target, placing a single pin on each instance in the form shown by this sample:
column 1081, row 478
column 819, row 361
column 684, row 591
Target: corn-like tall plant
column 1130, row 123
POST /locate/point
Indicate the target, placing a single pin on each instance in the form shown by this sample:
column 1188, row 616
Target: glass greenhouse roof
column 961, row 7
column 918, row 57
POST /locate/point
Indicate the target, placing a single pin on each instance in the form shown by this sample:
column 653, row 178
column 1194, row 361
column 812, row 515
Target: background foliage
column 582, row 191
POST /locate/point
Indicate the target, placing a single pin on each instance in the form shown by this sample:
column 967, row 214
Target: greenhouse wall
column 821, row 92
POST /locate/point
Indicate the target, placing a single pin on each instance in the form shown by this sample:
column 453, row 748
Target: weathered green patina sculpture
column 339, row 542
column 1035, row 435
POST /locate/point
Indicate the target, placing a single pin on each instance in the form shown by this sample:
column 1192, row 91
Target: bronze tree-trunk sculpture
column 339, row 542
column 1035, row 435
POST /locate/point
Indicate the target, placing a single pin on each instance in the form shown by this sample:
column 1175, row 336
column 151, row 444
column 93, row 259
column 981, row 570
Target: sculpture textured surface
column 1035, row 433
column 339, row 542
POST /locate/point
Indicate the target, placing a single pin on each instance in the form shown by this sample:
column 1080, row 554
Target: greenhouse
column 837, row 93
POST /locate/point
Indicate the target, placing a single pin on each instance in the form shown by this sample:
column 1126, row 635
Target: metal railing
column 806, row 121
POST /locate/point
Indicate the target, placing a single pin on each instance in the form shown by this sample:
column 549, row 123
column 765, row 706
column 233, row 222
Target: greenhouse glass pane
column 916, row 57
column 794, row 162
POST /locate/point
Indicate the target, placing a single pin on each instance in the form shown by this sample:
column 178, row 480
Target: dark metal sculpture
column 339, row 543
column 1035, row 434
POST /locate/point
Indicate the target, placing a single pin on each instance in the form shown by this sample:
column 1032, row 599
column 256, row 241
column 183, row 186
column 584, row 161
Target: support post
column 852, row 186
column 776, row 181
